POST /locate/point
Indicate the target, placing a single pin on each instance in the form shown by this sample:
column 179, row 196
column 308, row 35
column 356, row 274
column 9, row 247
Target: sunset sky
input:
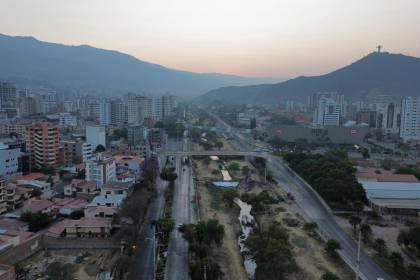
column 270, row 38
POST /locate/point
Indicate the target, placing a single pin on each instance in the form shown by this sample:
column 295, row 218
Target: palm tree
column 366, row 232
column 355, row 220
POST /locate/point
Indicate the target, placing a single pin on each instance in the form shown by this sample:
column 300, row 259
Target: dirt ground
column 212, row 207
column 388, row 233
column 87, row 263
column 309, row 251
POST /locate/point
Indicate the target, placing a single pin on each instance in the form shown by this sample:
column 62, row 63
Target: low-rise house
column 37, row 180
column 85, row 227
column 129, row 165
column 107, row 200
column 117, row 188
column 66, row 206
column 14, row 237
column 13, row 224
column 7, row 272
column 38, row 205
column 43, row 186
column 16, row 195
column 80, row 188
column 100, row 212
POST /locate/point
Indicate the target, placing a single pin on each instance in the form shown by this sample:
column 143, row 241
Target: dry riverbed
column 308, row 250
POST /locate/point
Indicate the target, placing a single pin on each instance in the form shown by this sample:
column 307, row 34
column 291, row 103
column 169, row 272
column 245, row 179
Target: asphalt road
column 182, row 213
column 143, row 268
column 315, row 210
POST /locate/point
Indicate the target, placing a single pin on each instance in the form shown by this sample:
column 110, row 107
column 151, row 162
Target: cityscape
column 291, row 165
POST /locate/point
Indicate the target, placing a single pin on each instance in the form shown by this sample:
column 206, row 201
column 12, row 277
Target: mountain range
column 384, row 72
column 28, row 61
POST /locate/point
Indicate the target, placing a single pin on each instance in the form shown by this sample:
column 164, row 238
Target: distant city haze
column 267, row 38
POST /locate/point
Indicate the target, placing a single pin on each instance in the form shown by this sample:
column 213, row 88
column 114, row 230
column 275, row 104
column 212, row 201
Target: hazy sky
column 275, row 38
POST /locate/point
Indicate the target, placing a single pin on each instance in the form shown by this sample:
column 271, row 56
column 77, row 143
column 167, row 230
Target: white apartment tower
column 95, row 135
column 410, row 118
column 327, row 113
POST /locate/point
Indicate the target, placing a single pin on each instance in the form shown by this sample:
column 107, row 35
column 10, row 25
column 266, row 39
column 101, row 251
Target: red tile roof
column 31, row 176
column 35, row 205
column 382, row 175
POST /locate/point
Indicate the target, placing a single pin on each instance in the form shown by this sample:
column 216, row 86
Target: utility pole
column 379, row 47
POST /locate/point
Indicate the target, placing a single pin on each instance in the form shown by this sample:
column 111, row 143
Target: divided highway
column 182, row 212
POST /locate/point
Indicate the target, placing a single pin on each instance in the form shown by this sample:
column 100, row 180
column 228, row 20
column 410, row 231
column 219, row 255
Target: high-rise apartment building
column 169, row 102
column 9, row 160
column 96, row 135
column 327, row 113
column 140, row 108
column 410, row 118
column 135, row 134
column 313, row 100
column 76, row 151
column 7, row 95
column 8, row 103
column 42, row 142
column 104, row 117
column 118, row 112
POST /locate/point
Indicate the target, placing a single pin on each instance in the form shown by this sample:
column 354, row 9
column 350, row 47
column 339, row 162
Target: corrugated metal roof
column 397, row 190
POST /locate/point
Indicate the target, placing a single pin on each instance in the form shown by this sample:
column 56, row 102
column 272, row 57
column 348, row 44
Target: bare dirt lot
column 86, row 264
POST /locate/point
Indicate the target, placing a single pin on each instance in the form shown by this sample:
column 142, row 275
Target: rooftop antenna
column 379, row 47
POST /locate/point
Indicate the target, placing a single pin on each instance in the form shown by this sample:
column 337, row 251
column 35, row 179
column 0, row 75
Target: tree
column 47, row 169
column 61, row 271
column 122, row 266
column 380, row 246
column 366, row 232
column 35, row 192
column 229, row 196
column 81, row 174
column 397, row 262
column 234, row 166
column 50, row 180
column 329, row 276
column 331, row 248
column 36, row 221
column 77, row 214
column 310, row 227
column 272, row 252
column 168, row 174
column 355, row 220
column 245, row 170
column 165, row 225
column 100, row 149
column 218, row 145
column 206, row 161
column 410, row 239
column 215, row 172
column 365, row 153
